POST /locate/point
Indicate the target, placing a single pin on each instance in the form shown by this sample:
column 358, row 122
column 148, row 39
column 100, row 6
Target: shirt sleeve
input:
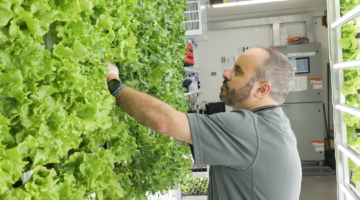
column 228, row 139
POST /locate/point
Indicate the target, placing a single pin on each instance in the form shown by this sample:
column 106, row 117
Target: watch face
column 112, row 84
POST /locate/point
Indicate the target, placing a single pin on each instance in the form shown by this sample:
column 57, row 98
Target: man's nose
column 227, row 75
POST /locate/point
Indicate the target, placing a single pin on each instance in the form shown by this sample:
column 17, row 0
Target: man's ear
column 263, row 89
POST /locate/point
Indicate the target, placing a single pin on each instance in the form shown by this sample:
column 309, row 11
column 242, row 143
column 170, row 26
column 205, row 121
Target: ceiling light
column 241, row 3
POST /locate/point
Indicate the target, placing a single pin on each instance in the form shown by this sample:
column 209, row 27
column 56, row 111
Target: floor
column 318, row 187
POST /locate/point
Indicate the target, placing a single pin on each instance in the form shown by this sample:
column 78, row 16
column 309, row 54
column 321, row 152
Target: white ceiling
column 288, row 7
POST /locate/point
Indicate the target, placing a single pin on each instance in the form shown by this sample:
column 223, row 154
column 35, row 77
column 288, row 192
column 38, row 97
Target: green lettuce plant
column 194, row 186
column 55, row 108
column 348, row 5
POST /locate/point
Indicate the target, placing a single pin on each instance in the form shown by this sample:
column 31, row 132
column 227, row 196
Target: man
column 252, row 150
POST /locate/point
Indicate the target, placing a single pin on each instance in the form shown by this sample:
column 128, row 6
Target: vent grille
column 192, row 13
column 192, row 16
column 193, row 6
column 192, row 25
column 196, row 24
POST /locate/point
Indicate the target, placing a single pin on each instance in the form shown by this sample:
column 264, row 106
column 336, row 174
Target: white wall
column 229, row 40
column 224, row 41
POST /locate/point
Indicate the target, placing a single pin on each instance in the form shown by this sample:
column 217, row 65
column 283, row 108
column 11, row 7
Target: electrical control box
column 306, row 60
column 304, row 103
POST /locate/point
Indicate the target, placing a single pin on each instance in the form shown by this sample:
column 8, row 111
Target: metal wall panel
column 307, row 123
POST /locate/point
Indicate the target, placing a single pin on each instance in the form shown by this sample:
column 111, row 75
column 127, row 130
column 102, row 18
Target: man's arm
column 153, row 113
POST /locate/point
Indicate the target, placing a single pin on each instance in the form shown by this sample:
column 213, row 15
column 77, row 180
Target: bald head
column 271, row 67
column 256, row 53
column 254, row 57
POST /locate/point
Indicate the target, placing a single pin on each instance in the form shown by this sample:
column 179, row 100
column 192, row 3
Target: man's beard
column 235, row 96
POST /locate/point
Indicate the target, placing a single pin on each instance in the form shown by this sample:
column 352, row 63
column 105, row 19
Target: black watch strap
column 113, row 85
column 112, row 91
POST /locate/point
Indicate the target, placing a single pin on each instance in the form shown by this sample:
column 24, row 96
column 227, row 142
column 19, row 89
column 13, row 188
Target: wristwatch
column 113, row 85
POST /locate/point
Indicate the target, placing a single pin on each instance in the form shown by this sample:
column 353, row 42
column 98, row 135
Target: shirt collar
column 264, row 107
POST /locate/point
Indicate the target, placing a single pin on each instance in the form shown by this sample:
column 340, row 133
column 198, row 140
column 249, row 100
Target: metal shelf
column 191, row 70
column 200, row 174
column 190, row 93
column 195, row 197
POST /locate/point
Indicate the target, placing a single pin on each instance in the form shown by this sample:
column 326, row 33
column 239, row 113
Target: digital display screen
column 301, row 65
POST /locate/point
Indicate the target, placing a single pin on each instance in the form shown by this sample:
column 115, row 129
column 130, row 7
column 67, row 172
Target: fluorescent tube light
column 348, row 109
column 349, row 64
column 346, row 18
column 241, row 3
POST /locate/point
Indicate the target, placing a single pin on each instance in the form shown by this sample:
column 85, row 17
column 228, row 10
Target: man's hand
column 113, row 72
column 152, row 112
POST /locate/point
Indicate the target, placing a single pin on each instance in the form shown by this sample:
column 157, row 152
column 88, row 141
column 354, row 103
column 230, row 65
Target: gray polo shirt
column 253, row 154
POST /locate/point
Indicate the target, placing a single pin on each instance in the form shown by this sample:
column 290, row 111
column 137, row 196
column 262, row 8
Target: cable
column 328, row 90
column 327, row 132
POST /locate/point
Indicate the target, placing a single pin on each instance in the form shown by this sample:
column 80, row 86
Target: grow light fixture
column 349, row 154
column 225, row 3
column 348, row 64
column 347, row 17
column 348, row 109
